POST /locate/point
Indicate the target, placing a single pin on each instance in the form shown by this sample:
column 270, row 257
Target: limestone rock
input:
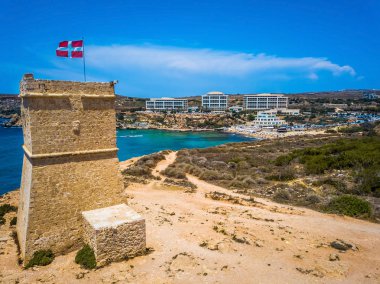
column 114, row 233
column 342, row 245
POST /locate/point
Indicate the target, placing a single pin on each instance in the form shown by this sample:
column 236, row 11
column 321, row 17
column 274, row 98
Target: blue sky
column 184, row 48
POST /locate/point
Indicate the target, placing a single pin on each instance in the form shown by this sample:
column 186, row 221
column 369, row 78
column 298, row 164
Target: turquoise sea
column 131, row 143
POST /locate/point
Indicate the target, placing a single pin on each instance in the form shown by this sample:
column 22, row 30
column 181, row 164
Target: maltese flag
column 72, row 49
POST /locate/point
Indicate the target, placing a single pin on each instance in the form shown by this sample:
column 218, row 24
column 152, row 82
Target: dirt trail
column 162, row 165
column 200, row 240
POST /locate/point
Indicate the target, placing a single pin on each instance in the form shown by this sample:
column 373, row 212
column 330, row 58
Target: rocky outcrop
column 14, row 121
column 180, row 121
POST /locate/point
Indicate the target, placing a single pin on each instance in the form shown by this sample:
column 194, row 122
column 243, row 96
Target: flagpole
column 84, row 62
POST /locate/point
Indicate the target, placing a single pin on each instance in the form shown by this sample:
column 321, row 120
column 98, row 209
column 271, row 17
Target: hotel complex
column 166, row 104
column 267, row 119
column 265, row 101
column 215, row 101
column 218, row 102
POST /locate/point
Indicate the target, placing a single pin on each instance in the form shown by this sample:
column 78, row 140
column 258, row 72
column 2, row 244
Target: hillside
column 316, row 172
column 205, row 233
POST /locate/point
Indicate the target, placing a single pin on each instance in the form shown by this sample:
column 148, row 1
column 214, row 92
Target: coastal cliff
column 178, row 121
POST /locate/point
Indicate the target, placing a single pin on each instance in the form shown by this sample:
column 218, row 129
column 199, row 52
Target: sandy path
column 162, row 165
column 199, row 240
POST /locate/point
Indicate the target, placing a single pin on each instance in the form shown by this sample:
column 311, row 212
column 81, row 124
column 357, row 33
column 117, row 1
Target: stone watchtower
column 70, row 163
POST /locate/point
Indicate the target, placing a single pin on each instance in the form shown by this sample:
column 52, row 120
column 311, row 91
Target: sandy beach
column 272, row 134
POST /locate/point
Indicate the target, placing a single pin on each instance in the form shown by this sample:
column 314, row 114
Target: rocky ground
column 212, row 235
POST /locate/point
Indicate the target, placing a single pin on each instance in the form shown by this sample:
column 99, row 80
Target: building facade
column 215, row 101
column 163, row 104
column 289, row 111
column 265, row 101
column 370, row 96
column 267, row 119
column 193, row 109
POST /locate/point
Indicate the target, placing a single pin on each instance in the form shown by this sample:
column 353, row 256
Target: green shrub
column 282, row 175
column 350, row 205
column 13, row 221
column 210, row 175
column 312, row 199
column 330, row 131
column 151, row 160
column 283, row 160
column 282, row 196
column 351, row 129
column 86, row 257
column 343, row 154
column 238, row 184
column 41, row 258
column 174, row 173
column 315, row 164
column 140, row 171
column 4, row 209
column 195, row 170
column 369, row 181
column 337, row 184
column 359, row 154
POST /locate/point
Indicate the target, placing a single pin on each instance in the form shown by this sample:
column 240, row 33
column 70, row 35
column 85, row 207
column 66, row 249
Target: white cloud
column 155, row 71
column 206, row 61
column 313, row 76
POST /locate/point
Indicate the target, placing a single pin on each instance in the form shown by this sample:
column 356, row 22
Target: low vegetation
column 141, row 171
column 173, row 172
column 13, row 221
column 41, row 258
column 312, row 172
column 240, row 165
column 360, row 156
column 181, row 183
column 86, row 257
column 282, row 175
column 350, row 205
column 4, row 209
column 282, row 196
column 367, row 128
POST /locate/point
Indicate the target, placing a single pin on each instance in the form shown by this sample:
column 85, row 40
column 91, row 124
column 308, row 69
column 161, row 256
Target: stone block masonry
column 114, row 233
column 70, row 161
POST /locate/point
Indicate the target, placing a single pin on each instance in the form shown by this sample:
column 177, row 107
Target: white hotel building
column 215, row 101
column 265, row 101
column 267, row 119
column 164, row 104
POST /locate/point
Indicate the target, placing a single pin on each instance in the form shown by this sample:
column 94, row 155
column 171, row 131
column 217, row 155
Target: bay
column 131, row 143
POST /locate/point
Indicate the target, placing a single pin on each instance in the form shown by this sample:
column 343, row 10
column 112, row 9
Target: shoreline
column 266, row 134
column 169, row 129
column 259, row 135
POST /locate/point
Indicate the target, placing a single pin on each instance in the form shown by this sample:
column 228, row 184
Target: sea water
column 131, row 143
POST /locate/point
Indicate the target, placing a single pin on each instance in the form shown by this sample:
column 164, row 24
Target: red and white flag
column 72, row 49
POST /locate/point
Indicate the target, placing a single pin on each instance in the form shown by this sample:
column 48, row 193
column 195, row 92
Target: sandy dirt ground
column 196, row 239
